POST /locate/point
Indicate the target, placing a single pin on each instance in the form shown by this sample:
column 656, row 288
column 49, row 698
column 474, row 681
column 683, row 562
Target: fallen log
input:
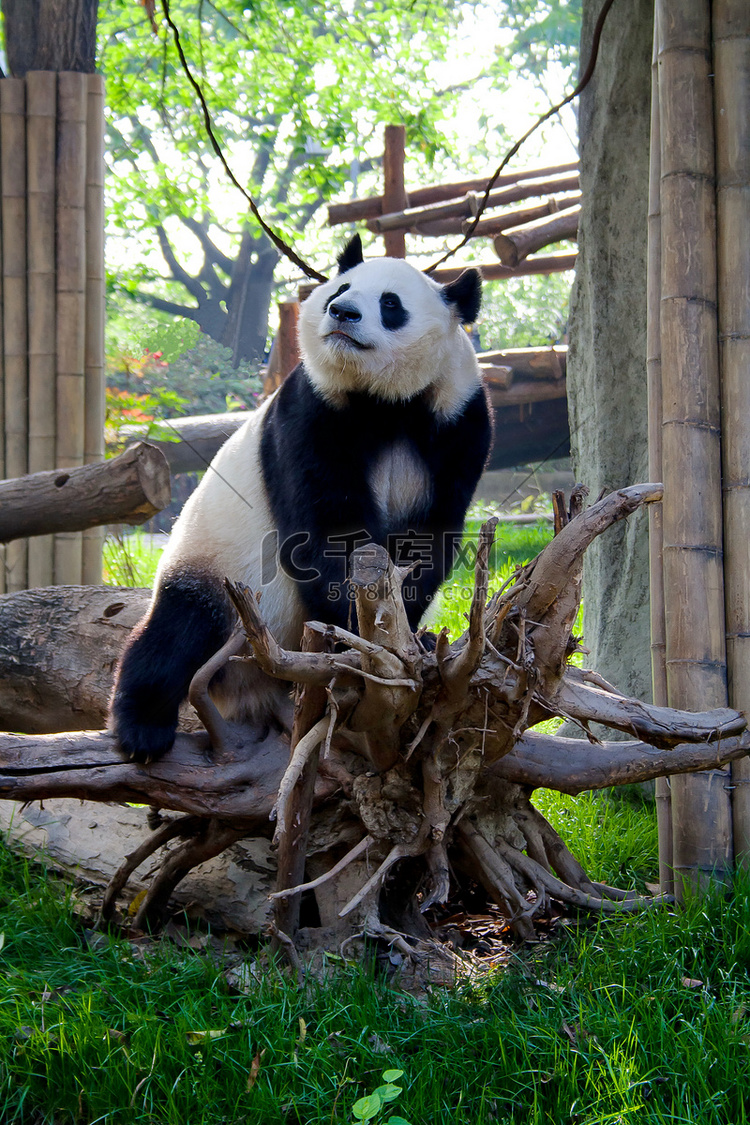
column 127, row 489
column 58, row 649
column 197, row 439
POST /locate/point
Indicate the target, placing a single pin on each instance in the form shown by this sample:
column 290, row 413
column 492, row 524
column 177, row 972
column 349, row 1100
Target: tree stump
column 412, row 761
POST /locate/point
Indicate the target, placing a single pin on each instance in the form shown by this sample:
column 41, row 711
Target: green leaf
column 367, row 1108
column 388, row 1093
column 197, row 1037
column 392, row 1075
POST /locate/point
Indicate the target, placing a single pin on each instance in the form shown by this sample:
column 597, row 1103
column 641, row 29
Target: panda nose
column 342, row 311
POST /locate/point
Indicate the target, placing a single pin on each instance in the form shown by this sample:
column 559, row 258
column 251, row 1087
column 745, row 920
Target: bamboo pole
column 71, row 299
column 655, row 526
column 93, row 445
column 693, row 577
column 394, row 191
column 731, row 41
column 41, row 118
column 13, row 176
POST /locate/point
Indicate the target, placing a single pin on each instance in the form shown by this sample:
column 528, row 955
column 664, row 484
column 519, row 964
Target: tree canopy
column 299, row 95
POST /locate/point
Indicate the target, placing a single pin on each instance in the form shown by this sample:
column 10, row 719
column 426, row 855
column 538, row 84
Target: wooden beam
column 495, row 271
column 515, row 245
column 469, row 205
column 538, row 363
column 394, row 192
column 524, row 391
column 356, row 210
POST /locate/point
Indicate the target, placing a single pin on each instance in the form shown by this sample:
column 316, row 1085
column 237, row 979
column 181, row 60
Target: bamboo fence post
column 691, row 437
column 13, row 174
column 93, row 445
column 71, row 299
column 655, row 526
column 731, row 40
column 394, row 191
column 41, row 124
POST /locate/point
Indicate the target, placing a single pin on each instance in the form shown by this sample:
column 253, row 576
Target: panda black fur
column 380, row 433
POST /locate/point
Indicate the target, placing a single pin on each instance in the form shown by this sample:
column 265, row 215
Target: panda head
column 384, row 328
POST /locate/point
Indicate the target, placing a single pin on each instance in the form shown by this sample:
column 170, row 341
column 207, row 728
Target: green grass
column 130, row 560
column 612, row 833
column 608, row 1024
column 514, row 545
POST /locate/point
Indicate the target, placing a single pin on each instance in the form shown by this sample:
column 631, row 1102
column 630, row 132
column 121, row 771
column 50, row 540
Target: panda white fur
column 380, row 433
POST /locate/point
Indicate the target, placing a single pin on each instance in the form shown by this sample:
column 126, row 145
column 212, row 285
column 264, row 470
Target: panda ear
column 351, row 255
column 466, row 294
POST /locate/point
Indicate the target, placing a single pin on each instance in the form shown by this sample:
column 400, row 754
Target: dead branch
column 662, row 726
column 385, row 704
column 87, row 764
column 296, row 804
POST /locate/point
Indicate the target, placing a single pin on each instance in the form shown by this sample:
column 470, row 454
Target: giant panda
column 379, row 434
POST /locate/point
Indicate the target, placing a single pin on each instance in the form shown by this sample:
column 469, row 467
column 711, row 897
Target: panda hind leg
column 189, row 619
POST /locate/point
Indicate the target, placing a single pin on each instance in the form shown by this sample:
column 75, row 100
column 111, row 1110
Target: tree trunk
column 249, row 299
column 607, row 357
column 50, row 35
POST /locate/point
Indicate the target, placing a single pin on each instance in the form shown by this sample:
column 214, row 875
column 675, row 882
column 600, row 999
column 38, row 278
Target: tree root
column 212, row 838
column 181, row 826
column 354, row 853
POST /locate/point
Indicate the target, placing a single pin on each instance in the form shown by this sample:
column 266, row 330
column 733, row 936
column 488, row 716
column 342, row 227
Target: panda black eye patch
column 392, row 312
column 341, row 289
